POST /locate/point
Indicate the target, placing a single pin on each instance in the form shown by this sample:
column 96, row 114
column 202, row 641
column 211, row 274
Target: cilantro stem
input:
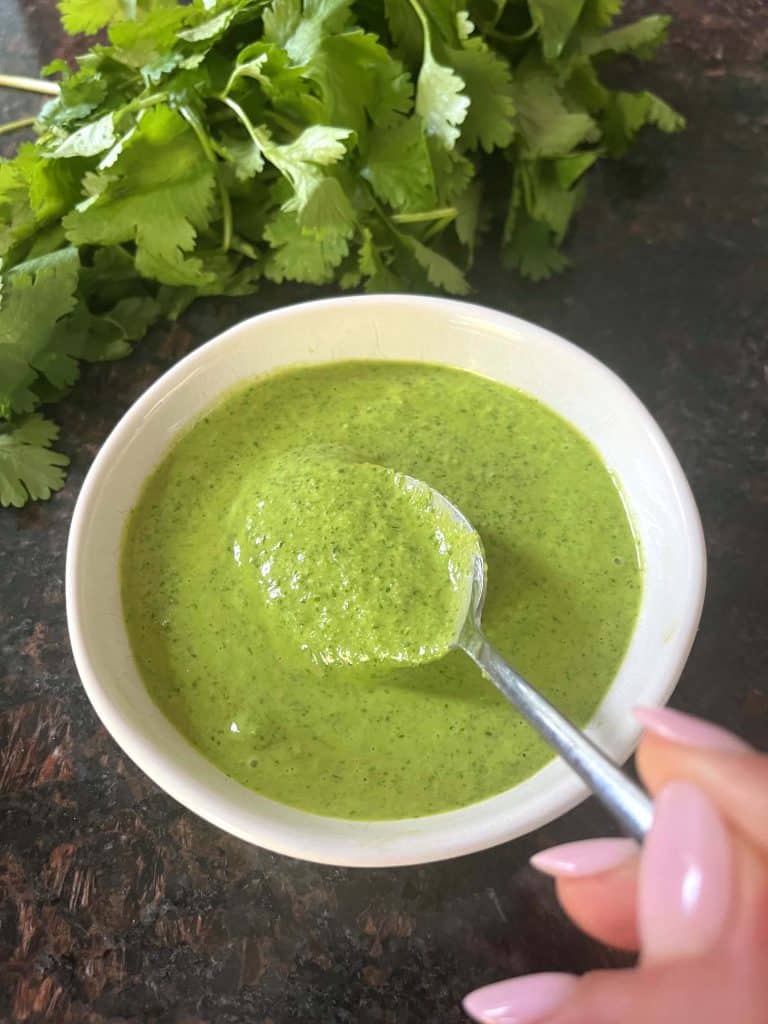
column 205, row 144
column 268, row 149
column 29, row 84
column 226, row 211
column 446, row 213
column 507, row 37
column 143, row 103
column 284, row 122
column 12, row 126
column 244, row 120
column 418, row 10
column 437, row 227
column 258, row 140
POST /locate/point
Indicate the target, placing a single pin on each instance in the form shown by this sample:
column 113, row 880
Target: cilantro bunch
column 210, row 144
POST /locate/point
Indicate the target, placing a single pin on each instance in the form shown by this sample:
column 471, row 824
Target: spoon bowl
column 629, row 805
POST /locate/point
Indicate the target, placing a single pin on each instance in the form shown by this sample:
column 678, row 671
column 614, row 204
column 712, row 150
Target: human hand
column 693, row 901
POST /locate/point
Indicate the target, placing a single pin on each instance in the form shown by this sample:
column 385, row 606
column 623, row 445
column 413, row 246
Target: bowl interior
column 512, row 351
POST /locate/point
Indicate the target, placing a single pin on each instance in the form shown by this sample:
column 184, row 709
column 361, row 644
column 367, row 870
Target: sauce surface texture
column 296, row 715
column 353, row 563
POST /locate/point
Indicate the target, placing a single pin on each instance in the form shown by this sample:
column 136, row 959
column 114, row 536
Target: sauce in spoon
column 354, row 560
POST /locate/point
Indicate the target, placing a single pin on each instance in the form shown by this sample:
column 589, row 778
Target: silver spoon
column 629, row 805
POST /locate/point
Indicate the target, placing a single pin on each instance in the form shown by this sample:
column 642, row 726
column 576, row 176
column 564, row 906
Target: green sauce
column 353, row 562
column 318, row 709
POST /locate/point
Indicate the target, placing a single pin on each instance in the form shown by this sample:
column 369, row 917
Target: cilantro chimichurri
column 312, row 710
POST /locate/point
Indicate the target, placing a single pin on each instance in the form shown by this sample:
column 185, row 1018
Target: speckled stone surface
column 116, row 904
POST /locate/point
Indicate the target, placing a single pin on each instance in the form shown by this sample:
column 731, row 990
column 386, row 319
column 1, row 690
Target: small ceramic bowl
column 564, row 377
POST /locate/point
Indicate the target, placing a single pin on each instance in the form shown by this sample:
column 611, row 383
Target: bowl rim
column 143, row 751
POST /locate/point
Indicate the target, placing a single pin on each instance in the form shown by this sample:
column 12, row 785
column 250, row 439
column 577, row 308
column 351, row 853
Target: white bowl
column 513, row 351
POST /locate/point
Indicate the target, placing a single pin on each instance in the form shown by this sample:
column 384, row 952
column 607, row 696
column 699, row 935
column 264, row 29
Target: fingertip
column 520, row 1000
column 585, row 858
column 689, row 731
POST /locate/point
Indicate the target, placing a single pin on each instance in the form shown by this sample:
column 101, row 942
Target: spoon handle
column 629, row 805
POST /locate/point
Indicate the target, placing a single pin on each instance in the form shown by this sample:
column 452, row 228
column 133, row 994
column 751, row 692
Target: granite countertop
column 116, row 904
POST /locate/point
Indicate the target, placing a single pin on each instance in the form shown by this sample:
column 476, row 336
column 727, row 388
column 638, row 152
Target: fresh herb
column 217, row 142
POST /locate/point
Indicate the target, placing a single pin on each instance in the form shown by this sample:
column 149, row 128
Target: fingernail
column 519, row 1000
column 677, row 727
column 685, row 880
column 588, row 857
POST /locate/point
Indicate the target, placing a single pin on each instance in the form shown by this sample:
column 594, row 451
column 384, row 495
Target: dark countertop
column 116, row 904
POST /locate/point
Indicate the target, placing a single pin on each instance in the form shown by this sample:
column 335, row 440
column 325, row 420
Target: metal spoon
column 629, row 805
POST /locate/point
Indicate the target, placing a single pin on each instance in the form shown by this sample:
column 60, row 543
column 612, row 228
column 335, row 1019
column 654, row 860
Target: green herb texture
column 208, row 145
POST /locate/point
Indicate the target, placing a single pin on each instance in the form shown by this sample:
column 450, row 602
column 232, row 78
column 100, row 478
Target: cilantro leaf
column 405, row 29
column 17, row 218
column 530, row 244
column 441, row 101
column 79, row 95
column 90, row 16
column 440, row 98
column 469, row 218
column 489, row 121
column 141, row 41
column 373, row 266
column 359, row 80
column 36, row 295
column 109, row 335
column 545, row 198
column 627, row 113
column 299, row 29
column 583, row 88
column 302, row 254
column 29, row 468
column 52, row 185
column 89, row 140
column 271, row 67
column 531, row 248
column 555, row 20
column 568, row 169
column 453, row 171
column 301, row 160
column 157, row 194
column 33, row 192
column 210, row 28
column 441, row 272
column 318, row 144
column 205, row 144
column 547, row 126
column 641, row 38
column 327, row 209
column 399, row 166
column 600, row 13
column 243, row 154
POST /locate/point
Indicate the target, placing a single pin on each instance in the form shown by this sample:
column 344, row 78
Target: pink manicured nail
column 588, row 857
column 519, row 1000
column 685, row 881
column 677, row 727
